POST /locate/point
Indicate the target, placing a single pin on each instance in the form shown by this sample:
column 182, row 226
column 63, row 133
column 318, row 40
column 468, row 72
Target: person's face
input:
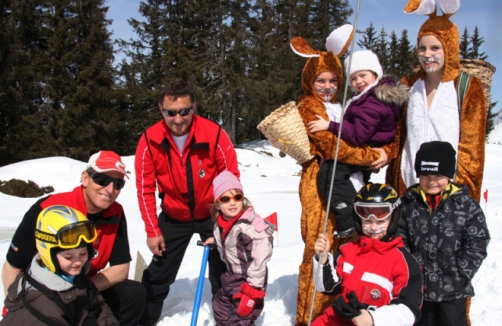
column 71, row 261
column 433, row 184
column 98, row 198
column 233, row 207
column 326, row 85
column 361, row 79
column 431, row 54
column 374, row 228
column 179, row 125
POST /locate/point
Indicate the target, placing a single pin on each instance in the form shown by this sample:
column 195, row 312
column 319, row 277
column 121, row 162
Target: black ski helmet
column 377, row 194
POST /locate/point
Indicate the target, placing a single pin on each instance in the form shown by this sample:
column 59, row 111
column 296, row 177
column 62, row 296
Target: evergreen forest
column 63, row 94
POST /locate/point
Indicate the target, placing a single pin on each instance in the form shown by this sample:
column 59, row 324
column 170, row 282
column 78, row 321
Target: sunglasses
column 104, row 180
column 69, row 236
column 380, row 211
column 173, row 113
column 226, row 199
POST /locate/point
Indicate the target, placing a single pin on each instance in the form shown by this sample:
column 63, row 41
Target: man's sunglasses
column 104, row 180
column 173, row 113
column 226, row 199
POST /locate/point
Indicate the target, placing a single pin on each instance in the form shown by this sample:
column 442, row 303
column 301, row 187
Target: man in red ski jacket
column 102, row 181
column 179, row 156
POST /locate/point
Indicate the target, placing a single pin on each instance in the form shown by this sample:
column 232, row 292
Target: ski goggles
column 104, row 180
column 173, row 113
column 379, row 211
column 70, row 236
column 226, row 199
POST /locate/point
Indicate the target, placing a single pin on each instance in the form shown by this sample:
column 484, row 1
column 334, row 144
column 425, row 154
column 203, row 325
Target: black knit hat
column 436, row 157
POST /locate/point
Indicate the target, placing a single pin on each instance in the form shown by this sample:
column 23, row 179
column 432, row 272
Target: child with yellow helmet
column 55, row 289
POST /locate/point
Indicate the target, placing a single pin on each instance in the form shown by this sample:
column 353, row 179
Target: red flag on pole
column 485, row 195
column 273, row 219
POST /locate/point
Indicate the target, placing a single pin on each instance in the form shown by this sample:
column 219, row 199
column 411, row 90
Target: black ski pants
column 444, row 313
column 343, row 191
column 126, row 300
column 162, row 271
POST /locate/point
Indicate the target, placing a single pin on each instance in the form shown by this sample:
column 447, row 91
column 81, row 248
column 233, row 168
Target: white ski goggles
column 379, row 211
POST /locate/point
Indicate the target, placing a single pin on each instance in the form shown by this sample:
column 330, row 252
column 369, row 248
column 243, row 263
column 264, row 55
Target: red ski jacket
column 184, row 180
column 108, row 248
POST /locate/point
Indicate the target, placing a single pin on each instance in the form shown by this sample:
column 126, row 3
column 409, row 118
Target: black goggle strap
column 46, row 237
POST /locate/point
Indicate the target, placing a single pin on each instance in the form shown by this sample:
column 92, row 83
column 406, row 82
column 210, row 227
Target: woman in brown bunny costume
column 432, row 112
column 323, row 146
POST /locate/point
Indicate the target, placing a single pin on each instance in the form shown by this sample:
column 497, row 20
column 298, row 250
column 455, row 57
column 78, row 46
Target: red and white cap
column 106, row 161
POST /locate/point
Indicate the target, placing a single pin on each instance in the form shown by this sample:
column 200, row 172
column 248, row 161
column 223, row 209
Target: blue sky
column 486, row 14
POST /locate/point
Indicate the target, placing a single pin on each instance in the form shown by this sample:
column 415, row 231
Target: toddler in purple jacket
column 245, row 242
column 370, row 118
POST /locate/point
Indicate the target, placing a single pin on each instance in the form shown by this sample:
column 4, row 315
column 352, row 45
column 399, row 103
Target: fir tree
column 476, row 42
column 464, row 44
column 370, row 39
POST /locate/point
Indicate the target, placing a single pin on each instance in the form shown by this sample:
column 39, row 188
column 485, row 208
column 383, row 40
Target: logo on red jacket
column 202, row 173
column 375, row 294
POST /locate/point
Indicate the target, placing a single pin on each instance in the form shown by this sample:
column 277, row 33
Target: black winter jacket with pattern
column 449, row 243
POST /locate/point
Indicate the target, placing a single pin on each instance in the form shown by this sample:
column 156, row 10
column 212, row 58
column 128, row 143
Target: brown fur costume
column 471, row 148
column 322, row 145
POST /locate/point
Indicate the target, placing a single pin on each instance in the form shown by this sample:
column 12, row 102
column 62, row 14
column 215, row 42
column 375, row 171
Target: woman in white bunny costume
column 321, row 101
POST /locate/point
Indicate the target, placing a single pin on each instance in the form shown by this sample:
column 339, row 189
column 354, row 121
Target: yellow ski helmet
column 61, row 227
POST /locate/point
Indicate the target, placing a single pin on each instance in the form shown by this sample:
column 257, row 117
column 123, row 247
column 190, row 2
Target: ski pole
column 317, row 271
column 200, row 284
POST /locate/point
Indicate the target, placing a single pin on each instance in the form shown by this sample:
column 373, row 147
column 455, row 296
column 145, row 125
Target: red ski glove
column 248, row 296
column 4, row 311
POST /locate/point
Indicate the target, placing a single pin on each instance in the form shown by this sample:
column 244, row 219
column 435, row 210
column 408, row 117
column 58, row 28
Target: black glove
column 344, row 310
column 354, row 301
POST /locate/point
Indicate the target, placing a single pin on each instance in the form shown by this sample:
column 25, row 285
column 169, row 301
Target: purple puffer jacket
column 246, row 250
column 371, row 116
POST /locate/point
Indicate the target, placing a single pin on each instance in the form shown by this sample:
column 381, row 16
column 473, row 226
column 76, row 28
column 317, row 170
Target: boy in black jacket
column 445, row 229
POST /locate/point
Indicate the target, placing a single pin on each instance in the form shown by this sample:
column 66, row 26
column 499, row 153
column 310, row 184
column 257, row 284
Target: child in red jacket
column 375, row 279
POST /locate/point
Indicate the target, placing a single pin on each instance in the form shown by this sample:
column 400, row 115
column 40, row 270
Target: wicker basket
column 483, row 71
column 286, row 131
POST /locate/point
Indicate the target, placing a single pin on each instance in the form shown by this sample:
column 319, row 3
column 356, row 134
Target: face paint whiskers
column 429, row 63
column 326, row 94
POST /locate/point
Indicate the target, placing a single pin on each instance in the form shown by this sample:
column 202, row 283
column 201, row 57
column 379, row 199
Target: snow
column 271, row 183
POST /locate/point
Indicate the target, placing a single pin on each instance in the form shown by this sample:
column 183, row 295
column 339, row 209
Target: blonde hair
column 215, row 211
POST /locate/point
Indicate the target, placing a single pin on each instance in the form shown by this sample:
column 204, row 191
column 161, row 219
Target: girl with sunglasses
column 244, row 241
column 375, row 279
column 55, row 289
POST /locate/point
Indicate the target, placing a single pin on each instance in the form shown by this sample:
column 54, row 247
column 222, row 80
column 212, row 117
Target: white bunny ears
column 337, row 43
column 428, row 7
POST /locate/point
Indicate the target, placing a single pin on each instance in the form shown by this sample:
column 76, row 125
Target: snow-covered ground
column 271, row 182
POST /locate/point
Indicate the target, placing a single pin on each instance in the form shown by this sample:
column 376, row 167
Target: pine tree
column 25, row 32
column 476, row 42
column 491, row 116
column 382, row 50
column 370, row 40
column 393, row 55
column 464, row 44
column 406, row 56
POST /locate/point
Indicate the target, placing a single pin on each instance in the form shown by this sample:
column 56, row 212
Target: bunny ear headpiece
column 337, row 44
column 442, row 28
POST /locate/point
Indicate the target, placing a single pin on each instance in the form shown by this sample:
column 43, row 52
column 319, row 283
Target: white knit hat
column 363, row 60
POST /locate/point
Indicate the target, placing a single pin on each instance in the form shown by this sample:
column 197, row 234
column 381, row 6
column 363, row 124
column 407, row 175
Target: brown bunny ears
column 442, row 28
column 337, row 44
